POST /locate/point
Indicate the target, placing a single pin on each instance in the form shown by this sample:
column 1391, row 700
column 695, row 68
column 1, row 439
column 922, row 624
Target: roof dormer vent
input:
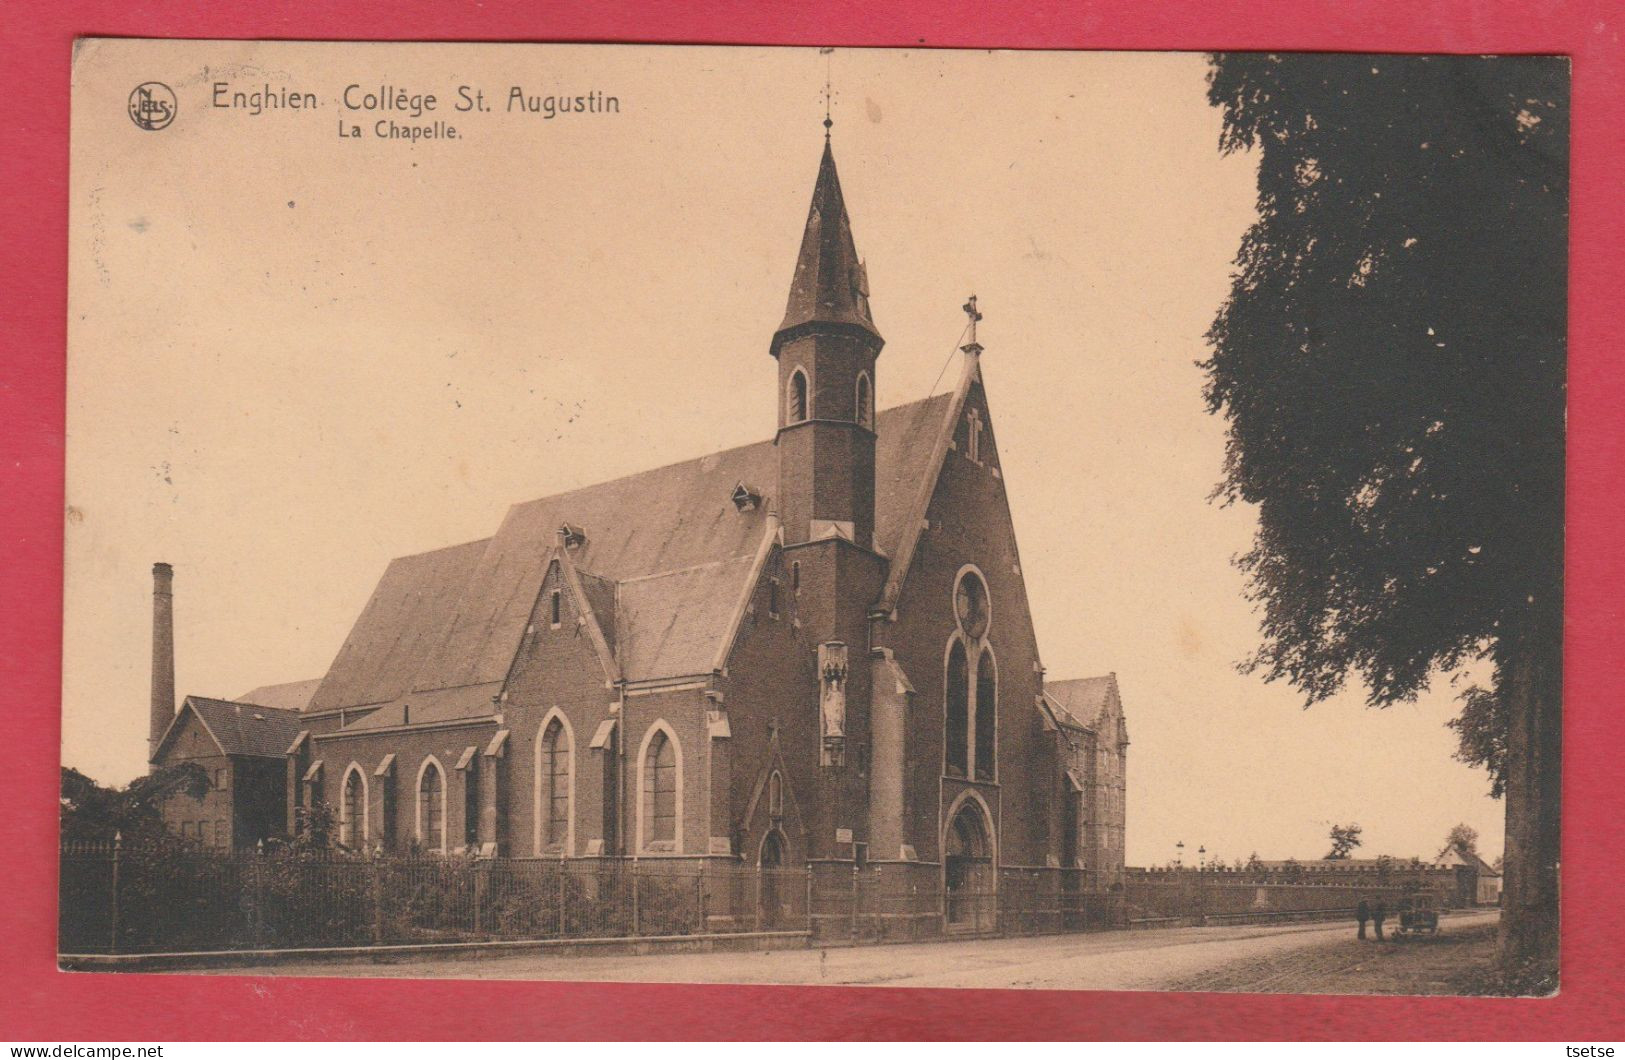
column 572, row 536
column 746, row 498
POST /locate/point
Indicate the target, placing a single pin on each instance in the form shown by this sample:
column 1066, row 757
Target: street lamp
column 1179, row 854
column 1201, row 857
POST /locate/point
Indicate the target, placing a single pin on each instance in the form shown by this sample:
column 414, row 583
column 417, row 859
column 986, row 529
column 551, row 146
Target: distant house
column 1480, row 875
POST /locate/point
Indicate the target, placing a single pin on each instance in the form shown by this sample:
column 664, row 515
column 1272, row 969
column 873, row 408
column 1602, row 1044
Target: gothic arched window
column 987, row 714
column 796, row 399
column 555, row 780
column 865, row 402
column 660, row 792
column 958, row 711
column 775, row 795
column 353, row 810
column 432, row 807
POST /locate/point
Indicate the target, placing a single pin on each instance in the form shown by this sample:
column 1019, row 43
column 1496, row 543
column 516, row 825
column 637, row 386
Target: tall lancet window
column 555, row 779
column 987, row 714
column 865, row 402
column 958, row 710
column 353, row 809
column 796, row 399
column 432, row 808
column 660, row 793
column 971, row 682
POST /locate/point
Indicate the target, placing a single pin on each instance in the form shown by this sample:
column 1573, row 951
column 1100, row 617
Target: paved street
column 1122, row 960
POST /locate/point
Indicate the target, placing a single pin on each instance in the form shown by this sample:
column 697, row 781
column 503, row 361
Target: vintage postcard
column 903, row 517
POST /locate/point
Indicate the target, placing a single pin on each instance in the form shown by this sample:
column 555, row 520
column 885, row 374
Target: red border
column 43, row 1004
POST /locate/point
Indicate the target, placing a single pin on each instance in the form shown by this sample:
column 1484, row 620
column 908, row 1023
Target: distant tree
column 1254, row 864
column 1345, row 837
column 1391, row 363
column 1462, row 837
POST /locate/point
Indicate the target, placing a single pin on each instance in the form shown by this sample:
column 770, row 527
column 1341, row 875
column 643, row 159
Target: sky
column 295, row 355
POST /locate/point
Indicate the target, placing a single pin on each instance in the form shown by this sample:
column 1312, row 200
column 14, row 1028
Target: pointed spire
column 830, row 284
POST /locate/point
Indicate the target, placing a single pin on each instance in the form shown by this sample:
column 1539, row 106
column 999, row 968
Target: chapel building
column 812, row 650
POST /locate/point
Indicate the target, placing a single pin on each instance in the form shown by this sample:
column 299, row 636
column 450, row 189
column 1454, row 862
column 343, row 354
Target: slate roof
column 830, row 283
column 666, row 561
column 246, row 728
column 1468, row 858
column 1081, row 701
column 291, row 695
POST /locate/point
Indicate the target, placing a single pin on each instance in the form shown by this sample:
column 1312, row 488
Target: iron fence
column 172, row 896
column 122, row 898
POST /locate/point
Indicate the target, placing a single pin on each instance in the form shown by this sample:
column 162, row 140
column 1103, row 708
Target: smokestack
column 163, row 654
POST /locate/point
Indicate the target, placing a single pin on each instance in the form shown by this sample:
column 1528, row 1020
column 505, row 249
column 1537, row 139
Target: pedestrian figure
column 1362, row 913
column 1379, row 913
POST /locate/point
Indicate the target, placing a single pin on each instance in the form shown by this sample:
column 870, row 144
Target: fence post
column 699, row 886
column 256, row 896
column 377, row 901
column 808, row 871
column 563, row 892
column 118, row 841
column 634, row 899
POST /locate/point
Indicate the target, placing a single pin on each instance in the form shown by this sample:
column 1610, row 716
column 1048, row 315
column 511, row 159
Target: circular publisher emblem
column 152, row 106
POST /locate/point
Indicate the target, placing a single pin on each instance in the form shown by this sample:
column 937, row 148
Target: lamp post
column 1179, row 854
column 1201, row 857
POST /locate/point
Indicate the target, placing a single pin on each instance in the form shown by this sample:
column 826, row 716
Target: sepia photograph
column 817, row 516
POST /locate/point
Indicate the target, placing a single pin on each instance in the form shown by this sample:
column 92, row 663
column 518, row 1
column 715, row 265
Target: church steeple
column 826, row 349
column 830, row 285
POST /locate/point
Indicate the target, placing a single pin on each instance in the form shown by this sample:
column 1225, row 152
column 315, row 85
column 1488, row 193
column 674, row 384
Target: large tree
column 1391, row 365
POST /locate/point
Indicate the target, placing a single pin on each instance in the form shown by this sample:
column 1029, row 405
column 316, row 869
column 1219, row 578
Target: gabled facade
column 1480, row 882
column 816, row 649
column 242, row 748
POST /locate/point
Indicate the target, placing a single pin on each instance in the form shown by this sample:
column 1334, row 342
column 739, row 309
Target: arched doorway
column 771, row 866
column 967, row 868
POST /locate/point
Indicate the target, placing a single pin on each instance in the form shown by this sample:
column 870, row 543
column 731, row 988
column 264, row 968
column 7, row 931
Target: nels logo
column 152, row 106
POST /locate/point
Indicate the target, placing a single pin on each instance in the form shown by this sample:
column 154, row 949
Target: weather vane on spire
column 829, row 90
column 974, row 314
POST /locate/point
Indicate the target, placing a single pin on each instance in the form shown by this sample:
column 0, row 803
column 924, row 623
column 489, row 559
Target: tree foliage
column 1391, row 362
column 1391, row 357
column 1462, row 838
column 91, row 811
column 1345, row 837
column 1481, row 734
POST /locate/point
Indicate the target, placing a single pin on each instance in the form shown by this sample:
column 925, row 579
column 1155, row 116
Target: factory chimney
column 163, row 654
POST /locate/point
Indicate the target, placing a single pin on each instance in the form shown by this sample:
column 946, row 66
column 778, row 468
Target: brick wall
column 557, row 668
column 209, row 819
